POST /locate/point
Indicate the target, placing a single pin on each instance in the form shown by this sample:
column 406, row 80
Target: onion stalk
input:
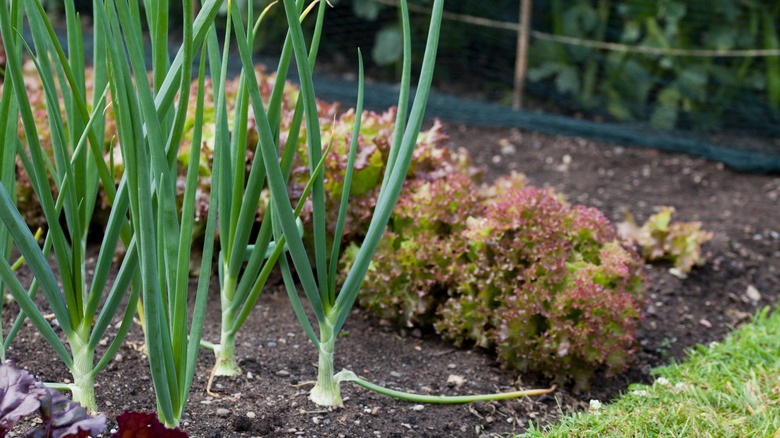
column 77, row 168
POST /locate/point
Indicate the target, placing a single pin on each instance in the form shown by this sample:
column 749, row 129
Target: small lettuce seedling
column 664, row 240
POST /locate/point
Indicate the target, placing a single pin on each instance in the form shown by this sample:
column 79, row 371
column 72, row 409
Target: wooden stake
column 521, row 59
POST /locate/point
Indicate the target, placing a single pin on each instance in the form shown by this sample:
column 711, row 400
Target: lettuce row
column 431, row 159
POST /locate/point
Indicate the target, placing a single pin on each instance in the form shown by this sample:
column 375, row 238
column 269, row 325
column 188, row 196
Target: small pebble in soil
column 705, row 323
column 251, row 414
column 282, row 373
column 418, row 407
column 222, row 412
column 507, row 148
column 455, row 380
column 753, row 294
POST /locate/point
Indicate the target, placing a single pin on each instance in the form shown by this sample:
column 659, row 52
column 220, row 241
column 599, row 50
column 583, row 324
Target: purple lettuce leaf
column 144, row 425
column 63, row 417
column 19, row 396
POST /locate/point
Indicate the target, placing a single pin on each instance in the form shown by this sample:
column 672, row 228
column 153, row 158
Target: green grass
column 729, row 389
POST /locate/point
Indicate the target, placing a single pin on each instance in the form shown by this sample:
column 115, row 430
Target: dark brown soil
column 270, row 399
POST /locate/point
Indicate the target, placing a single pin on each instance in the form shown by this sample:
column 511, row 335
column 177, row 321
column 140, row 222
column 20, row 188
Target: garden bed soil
column 270, row 399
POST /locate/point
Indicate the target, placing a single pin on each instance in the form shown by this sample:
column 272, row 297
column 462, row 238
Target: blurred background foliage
column 729, row 102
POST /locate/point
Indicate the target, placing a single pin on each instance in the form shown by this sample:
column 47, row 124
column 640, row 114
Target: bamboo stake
column 521, row 59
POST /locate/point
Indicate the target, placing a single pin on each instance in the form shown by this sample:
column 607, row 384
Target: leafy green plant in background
column 566, row 65
column 462, row 54
column 664, row 240
column 76, row 143
column 388, row 42
column 668, row 91
column 552, row 288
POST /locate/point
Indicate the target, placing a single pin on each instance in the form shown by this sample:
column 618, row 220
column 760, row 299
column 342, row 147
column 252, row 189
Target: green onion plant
column 243, row 268
column 80, row 304
column 150, row 117
column 331, row 308
column 150, row 125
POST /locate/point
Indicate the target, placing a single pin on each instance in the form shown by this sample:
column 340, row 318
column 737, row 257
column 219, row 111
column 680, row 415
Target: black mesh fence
column 697, row 76
column 694, row 76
